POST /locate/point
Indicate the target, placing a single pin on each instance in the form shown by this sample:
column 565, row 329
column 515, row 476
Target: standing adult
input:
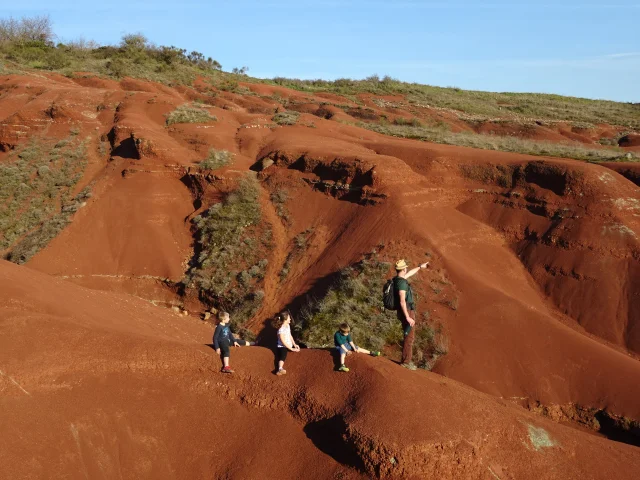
column 406, row 308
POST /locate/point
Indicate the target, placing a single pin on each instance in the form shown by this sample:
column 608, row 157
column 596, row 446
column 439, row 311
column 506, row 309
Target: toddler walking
column 223, row 339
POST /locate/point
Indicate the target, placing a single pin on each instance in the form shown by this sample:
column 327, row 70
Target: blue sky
column 588, row 49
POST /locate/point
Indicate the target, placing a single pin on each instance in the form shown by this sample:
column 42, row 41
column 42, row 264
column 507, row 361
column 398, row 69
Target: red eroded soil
column 535, row 274
column 119, row 388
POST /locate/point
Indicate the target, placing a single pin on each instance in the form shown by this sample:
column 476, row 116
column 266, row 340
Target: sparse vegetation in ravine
column 279, row 199
column 227, row 270
column 299, row 246
column 355, row 297
column 36, row 184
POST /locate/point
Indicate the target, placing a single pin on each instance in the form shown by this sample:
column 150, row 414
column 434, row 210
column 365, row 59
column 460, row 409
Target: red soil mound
column 118, row 388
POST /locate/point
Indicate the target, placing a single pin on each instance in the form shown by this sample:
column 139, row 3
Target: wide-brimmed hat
column 401, row 265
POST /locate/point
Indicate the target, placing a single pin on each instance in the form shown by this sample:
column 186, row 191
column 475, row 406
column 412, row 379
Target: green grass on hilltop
column 503, row 143
column 483, row 104
column 134, row 57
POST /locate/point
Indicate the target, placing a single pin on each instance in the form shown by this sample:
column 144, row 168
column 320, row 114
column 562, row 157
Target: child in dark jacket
column 223, row 339
column 344, row 344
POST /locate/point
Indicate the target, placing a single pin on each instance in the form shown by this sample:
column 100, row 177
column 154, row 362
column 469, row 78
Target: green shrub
column 355, row 298
column 189, row 114
column 414, row 122
column 288, row 117
column 430, row 344
column 215, row 159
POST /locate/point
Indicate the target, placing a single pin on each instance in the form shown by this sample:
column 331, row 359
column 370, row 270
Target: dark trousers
column 282, row 354
column 409, row 336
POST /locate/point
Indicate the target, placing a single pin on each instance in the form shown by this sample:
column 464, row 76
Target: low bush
column 189, row 114
column 288, row 117
column 215, row 159
column 355, row 297
column 430, row 344
column 414, row 122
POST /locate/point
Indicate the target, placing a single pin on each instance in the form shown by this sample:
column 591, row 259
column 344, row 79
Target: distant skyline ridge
column 580, row 49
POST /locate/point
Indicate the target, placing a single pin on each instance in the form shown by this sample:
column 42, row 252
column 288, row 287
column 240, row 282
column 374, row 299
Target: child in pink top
column 285, row 340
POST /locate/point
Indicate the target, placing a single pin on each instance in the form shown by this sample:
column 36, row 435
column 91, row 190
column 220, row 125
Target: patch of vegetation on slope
column 215, row 159
column 286, row 118
column 355, row 297
column 227, row 270
column 190, row 114
column 502, row 143
column 300, row 245
column 487, row 104
column 36, row 184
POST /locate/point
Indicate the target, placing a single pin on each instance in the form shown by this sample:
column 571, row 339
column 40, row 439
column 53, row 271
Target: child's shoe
column 375, row 354
column 409, row 366
column 226, row 370
column 281, row 371
column 343, row 368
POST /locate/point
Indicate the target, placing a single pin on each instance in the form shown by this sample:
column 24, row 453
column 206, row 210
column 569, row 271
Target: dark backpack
column 389, row 295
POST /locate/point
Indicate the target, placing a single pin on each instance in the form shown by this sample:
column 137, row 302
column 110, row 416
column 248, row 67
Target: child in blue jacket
column 223, row 339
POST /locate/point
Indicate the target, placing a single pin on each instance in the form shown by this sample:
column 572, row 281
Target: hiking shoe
column 409, row 366
column 375, row 354
column 282, row 371
column 343, row 368
column 226, row 370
